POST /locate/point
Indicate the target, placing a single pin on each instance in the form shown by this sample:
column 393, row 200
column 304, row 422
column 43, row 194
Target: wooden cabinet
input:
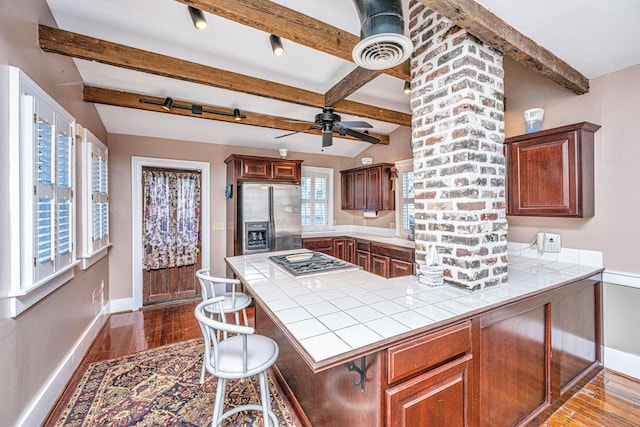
column 533, row 352
column 340, row 248
column 380, row 265
column 391, row 261
column 368, row 188
column 319, row 244
column 550, row 173
column 431, row 380
column 264, row 168
column 348, row 192
column 379, row 258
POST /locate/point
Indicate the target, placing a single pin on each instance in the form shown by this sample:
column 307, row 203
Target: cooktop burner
column 303, row 263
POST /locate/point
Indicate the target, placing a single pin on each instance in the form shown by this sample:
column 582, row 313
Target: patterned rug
column 161, row 387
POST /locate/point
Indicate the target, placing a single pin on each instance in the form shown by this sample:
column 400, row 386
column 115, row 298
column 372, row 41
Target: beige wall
column 614, row 103
column 33, row 345
column 123, row 147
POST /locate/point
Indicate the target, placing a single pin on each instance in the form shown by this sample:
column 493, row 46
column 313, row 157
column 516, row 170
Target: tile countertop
column 340, row 315
column 397, row 241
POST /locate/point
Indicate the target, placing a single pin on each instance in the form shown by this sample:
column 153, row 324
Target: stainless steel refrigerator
column 268, row 217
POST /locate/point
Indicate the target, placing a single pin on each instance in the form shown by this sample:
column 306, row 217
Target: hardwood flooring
column 610, row 399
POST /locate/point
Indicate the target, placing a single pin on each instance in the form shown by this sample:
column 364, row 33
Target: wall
column 34, row 345
column 614, row 103
column 123, row 147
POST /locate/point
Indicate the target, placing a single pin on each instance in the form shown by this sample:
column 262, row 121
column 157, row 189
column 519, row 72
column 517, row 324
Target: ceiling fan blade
column 356, row 124
column 327, row 139
column 360, row 135
column 298, row 131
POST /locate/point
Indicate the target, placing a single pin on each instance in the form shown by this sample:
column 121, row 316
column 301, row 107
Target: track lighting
column 276, row 45
column 407, row 88
column 197, row 16
column 167, row 103
column 196, row 109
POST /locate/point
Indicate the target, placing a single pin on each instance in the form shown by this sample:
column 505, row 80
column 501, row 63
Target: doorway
column 171, row 234
column 163, row 280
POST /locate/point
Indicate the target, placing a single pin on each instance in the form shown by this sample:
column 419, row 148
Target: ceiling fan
column 329, row 122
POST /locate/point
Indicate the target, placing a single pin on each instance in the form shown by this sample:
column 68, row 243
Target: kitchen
column 610, row 231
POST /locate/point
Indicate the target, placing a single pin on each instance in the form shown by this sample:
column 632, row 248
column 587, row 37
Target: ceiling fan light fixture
column 407, row 88
column 276, row 45
column 167, row 103
column 197, row 16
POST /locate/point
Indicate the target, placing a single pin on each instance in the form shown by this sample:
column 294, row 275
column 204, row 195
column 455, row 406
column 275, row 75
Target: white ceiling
column 595, row 37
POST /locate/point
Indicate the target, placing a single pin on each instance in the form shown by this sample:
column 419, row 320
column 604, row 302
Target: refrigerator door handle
column 272, row 224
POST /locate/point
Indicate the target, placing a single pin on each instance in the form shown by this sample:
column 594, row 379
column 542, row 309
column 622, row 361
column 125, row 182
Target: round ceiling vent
column 382, row 51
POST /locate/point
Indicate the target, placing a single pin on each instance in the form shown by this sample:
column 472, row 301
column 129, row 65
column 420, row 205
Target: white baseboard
column 625, row 363
column 122, row 304
column 40, row 406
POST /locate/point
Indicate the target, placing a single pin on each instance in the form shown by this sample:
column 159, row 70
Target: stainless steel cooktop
column 303, row 263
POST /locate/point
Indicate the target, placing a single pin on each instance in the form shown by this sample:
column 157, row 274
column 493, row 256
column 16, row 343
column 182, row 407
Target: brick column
column 458, row 131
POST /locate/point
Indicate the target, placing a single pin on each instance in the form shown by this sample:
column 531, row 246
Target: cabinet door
column 351, row 251
column 340, row 248
column 373, row 189
column 360, row 189
column 363, row 259
column 348, row 202
column 255, row 168
column 514, row 356
column 380, row 265
column 289, row 171
column 436, row 398
column 399, row 268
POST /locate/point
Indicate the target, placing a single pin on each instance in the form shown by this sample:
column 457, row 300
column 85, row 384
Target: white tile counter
column 341, row 314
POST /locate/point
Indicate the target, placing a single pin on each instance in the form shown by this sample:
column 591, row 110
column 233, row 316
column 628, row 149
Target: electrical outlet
column 392, row 225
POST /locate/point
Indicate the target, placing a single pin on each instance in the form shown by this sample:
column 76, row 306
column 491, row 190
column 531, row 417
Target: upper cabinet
column 368, row 188
column 550, row 173
column 265, row 168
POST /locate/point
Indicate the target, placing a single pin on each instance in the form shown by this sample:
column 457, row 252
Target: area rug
column 161, row 387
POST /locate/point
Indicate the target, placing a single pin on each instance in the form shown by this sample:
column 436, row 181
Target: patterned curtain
column 171, row 218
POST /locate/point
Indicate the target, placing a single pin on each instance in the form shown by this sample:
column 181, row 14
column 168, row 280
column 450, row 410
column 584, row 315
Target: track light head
column 236, row 114
column 276, row 45
column 167, row 103
column 407, row 88
column 197, row 16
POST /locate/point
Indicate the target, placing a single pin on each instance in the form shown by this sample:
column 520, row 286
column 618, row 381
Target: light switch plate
column 218, row 226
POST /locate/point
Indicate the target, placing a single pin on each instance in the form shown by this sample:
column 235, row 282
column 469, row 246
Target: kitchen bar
column 333, row 323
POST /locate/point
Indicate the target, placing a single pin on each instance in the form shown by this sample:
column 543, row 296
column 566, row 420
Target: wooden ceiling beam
column 273, row 18
column 132, row 100
column 348, row 85
column 501, row 36
column 84, row 47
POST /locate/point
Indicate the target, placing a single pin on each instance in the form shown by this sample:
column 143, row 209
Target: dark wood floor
column 610, row 399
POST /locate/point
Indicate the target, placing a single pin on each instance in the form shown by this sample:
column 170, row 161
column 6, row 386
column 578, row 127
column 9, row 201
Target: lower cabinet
column 379, row 258
column 435, row 398
column 430, row 378
column 319, row 244
column 533, row 352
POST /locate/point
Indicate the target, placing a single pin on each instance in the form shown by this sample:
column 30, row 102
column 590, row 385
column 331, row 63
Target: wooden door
column 373, row 190
column 174, row 283
column 360, row 189
column 440, row 397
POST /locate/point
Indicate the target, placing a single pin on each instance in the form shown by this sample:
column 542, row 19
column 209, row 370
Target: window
column 95, row 198
column 405, row 216
column 42, row 181
column 316, row 193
